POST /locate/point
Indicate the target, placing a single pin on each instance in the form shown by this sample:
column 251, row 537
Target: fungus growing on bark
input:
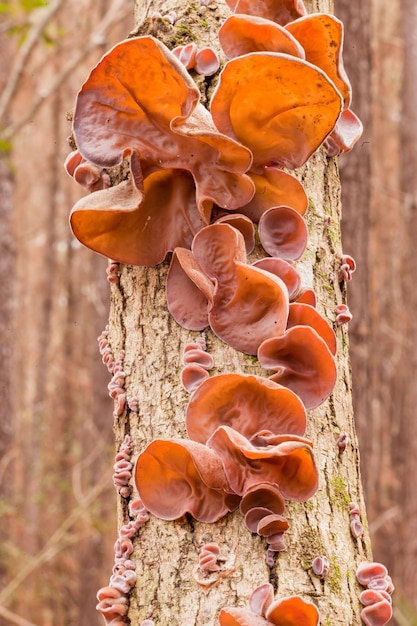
column 320, row 566
column 180, row 163
column 343, row 315
column 248, row 404
column 274, row 187
column 285, row 271
column 123, row 468
column 242, row 34
column 196, row 362
column 356, row 526
column 292, row 611
column 285, row 460
column 280, row 107
column 283, row 233
column 342, row 441
column 280, row 12
column 262, row 506
column 204, row 61
column 347, row 267
column 303, row 363
column 377, row 597
column 180, row 476
column 212, row 285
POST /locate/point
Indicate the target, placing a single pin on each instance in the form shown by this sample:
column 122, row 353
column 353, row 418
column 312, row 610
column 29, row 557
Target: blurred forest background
column 57, row 500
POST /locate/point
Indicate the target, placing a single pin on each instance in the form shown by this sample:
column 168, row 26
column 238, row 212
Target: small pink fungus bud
column 206, row 62
column 321, row 566
column 347, row 267
column 112, row 272
column 208, row 558
column 171, row 17
column 343, row 315
column 342, row 441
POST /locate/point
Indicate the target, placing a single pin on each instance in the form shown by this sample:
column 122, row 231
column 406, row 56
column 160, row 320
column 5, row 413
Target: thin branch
column 114, row 14
column 22, row 57
column 52, row 546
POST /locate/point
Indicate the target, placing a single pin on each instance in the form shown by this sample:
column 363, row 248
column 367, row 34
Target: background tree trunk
column 379, row 227
column 167, row 552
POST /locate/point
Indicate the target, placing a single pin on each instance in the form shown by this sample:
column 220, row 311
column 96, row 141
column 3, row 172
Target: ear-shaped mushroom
column 244, row 225
column 247, row 304
column 283, row 233
column 274, row 187
column 261, row 598
column 285, row 271
column 140, row 98
column 124, row 224
column 346, row 133
column 282, row 12
column 306, row 315
column 293, row 611
column 248, row 404
column 378, row 607
column 289, row 464
column 177, row 476
column 303, row 363
column 321, row 36
column 242, row 34
column 280, row 107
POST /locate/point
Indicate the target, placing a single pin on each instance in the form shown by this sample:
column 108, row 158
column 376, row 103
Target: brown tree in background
column 56, row 435
column 379, row 229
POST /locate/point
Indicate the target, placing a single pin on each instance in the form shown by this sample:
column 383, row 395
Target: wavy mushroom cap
column 283, row 233
column 285, row 271
column 246, row 403
column 302, row 362
column 175, row 477
column 280, row 107
column 244, row 304
column 242, row 34
column 280, row 11
column 289, row 464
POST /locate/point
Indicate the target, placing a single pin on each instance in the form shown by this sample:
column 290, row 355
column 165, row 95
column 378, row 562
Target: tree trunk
column 166, row 553
column 383, row 188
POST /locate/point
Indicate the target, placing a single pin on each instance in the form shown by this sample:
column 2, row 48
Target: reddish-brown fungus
column 281, row 12
column 320, row 566
column 179, row 160
column 274, row 187
column 280, row 107
column 303, row 363
column 180, row 476
column 242, row 34
column 283, row 233
column 244, row 305
column 285, row 271
column 305, row 315
column 288, row 463
column 246, row 403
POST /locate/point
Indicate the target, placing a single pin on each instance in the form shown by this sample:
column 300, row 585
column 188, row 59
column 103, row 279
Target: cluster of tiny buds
column 356, row 527
column 116, row 385
column 112, row 272
column 196, row 363
column 376, row 598
column 105, row 350
column 346, row 269
column 342, row 441
column 123, row 468
column 321, row 566
column 209, row 557
column 113, row 602
column 343, row 315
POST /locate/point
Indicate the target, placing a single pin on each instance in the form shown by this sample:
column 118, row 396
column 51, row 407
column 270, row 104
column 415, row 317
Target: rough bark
column 166, row 553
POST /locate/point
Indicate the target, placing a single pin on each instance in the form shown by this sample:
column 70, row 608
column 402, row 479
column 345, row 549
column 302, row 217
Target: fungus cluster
column 376, row 598
column 264, row 610
column 203, row 184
